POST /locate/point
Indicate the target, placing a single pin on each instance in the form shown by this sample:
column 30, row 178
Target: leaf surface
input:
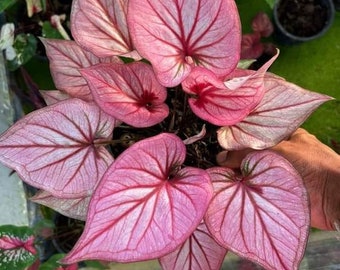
column 55, row 149
column 262, row 214
column 199, row 252
column 66, row 58
column 100, row 26
column 284, row 108
column 177, row 35
column 146, row 205
column 129, row 92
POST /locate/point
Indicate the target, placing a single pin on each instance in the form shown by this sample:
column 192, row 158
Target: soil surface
column 304, row 18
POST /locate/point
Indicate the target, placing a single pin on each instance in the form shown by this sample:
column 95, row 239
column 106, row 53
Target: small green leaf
column 15, row 252
column 52, row 263
column 270, row 3
column 5, row 4
column 245, row 63
column 48, row 31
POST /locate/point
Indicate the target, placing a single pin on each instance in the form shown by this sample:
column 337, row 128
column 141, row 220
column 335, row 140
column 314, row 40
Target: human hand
column 319, row 167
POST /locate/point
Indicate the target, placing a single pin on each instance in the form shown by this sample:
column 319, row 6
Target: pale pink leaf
column 146, row 205
column 199, row 252
column 71, row 207
column 56, row 149
column 129, row 92
column 177, row 35
column 284, row 108
column 261, row 214
column 53, row 96
column 66, row 58
column 100, row 26
column 196, row 137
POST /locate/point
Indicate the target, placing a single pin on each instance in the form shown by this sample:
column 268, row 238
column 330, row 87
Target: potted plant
column 149, row 92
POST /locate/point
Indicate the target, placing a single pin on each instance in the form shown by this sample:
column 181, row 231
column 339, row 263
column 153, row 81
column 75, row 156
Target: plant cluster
column 148, row 92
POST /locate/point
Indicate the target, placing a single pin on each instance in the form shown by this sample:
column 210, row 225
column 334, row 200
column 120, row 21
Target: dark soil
column 304, row 18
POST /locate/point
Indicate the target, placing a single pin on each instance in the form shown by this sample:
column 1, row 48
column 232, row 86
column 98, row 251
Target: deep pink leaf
column 263, row 213
column 129, row 92
column 251, row 46
column 66, row 58
column 55, row 148
column 284, row 108
column 177, row 35
column 53, row 96
column 146, row 205
column 262, row 24
column 199, row 252
column 71, row 207
column 100, row 26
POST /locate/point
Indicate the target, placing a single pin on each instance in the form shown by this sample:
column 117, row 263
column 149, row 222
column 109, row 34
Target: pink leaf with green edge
column 53, row 96
column 66, row 58
column 177, row 35
column 129, row 92
column 100, row 26
column 17, row 250
column 71, row 207
column 200, row 251
column 59, row 148
column 284, row 108
column 262, row 214
column 145, row 206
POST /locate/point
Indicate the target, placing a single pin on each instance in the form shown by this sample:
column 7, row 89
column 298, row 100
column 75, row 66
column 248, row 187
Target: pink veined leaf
column 251, row 46
column 145, row 205
column 129, row 92
column 7, row 243
column 71, row 207
column 100, row 26
column 262, row 24
column 53, row 96
column 199, row 252
column 225, row 103
column 262, row 214
column 177, row 35
column 59, row 148
column 66, row 58
column 284, row 108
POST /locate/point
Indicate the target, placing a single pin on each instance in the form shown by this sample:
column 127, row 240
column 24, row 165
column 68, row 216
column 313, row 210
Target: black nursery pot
column 299, row 21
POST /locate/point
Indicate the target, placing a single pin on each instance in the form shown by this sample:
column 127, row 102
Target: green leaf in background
column 5, row 4
column 48, row 31
column 25, row 46
column 16, row 249
column 271, row 3
column 52, row 263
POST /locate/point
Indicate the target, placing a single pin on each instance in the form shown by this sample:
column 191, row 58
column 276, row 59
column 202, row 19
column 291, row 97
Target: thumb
column 232, row 159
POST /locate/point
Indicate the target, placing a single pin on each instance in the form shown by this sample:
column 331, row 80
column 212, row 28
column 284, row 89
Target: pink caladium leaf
column 263, row 213
column 53, row 96
column 284, row 108
column 251, row 46
column 199, row 252
column 225, row 103
column 129, row 92
column 100, row 26
column 56, row 149
column 177, row 35
column 71, row 207
column 145, row 206
column 66, row 58
column 262, row 24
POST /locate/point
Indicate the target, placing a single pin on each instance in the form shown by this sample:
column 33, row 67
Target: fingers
column 232, row 159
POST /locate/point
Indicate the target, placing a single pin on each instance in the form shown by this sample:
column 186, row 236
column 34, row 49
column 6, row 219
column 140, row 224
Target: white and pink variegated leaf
column 55, row 148
column 199, row 252
column 145, row 206
column 261, row 214
column 285, row 106
column 177, row 35
column 66, row 58
column 129, row 92
column 100, row 27
column 71, row 207
column 53, row 96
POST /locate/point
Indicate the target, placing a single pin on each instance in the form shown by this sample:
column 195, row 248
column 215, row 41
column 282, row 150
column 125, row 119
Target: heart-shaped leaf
column 100, row 26
column 66, row 58
column 17, row 249
column 53, row 96
column 75, row 208
column 262, row 214
column 176, row 35
column 284, row 108
column 55, row 148
column 200, row 251
column 145, row 205
column 129, row 92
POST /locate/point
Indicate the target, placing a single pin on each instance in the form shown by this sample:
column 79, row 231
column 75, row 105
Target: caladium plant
column 130, row 146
